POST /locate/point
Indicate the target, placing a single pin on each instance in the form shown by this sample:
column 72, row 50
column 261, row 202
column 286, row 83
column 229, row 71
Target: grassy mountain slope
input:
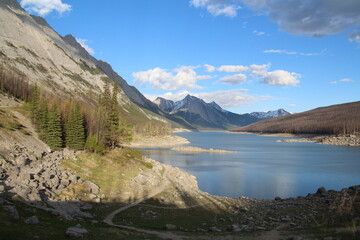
column 336, row 119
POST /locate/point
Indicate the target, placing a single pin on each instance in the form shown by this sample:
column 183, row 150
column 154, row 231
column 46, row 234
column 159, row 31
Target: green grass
column 54, row 227
column 110, row 171
column 94, row 71
column 26, row 63
column 9, row 122
column 77, row 78
column 190, row 219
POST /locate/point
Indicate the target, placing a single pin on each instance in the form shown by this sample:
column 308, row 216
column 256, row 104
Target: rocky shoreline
column 350, row 140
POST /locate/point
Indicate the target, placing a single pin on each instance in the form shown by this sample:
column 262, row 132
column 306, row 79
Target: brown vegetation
column 336, row 119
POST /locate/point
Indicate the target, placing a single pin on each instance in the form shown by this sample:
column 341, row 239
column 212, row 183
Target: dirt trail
column 165, row 235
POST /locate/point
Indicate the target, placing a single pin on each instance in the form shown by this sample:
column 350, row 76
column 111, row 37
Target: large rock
column 321, row 190
column 76, row 232
column 32, row 220
column 92, row 187
column 170, row 227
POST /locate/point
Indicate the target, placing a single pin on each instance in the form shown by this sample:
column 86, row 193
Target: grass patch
column 77, row 78
column 155, row 215
column 94, row 71
column 9, row 122
column 54, row 227
column 26, row 63
column 30, row 51
column 110, row 171
column 41, row 68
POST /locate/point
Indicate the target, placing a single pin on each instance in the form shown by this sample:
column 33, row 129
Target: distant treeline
column 336, row 119
column 68, row 122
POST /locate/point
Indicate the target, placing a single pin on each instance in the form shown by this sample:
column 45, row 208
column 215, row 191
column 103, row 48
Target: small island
column 199, row 150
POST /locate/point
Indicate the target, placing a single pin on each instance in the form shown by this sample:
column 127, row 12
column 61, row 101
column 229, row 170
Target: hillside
column 204, row 115
column 31, row 48
column 336, row 119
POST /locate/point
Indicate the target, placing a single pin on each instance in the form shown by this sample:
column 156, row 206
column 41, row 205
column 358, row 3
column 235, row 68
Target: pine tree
column 43, row 117
column 75, row 132
column 34, row 104
column 54, row 133
column 114, row 118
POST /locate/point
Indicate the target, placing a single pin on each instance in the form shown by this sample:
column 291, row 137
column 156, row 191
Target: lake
column 261, row 167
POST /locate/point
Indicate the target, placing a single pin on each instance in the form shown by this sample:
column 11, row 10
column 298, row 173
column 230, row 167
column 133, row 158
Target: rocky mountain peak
column 11, row 3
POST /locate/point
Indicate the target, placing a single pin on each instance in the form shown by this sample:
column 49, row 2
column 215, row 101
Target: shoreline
column 157, row 141
column 349, row 140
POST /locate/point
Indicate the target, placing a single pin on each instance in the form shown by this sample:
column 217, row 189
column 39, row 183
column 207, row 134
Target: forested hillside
column 336, row 119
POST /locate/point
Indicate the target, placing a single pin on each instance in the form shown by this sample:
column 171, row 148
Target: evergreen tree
column 114, row 118
column 43, row 117
column 34, row 104
column 54, row 132
column 75, row 132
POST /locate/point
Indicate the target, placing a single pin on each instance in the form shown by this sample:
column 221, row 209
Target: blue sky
column 246, row 55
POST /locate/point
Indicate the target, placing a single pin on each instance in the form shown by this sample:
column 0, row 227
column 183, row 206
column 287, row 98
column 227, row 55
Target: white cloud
column 346, row 80
column 314, row 18
column 355, row 36
column 209, row 68
column 217, row 7
column 233, row 79
column 226, row 98
column 83, row 43
column 292, row 105
column 274, row 78
column 44, row 7
column 287, row 52
column 280, row 78
column 183, row 77
column 233, row 68
column 258, row 33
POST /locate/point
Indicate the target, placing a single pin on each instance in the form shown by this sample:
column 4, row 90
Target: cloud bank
column 158, row 78
column 315, row 18
column 44, row 7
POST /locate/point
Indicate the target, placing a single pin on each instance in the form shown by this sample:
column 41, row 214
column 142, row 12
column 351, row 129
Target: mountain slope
column 60, row 65
column 336, row 119
column 204, row 115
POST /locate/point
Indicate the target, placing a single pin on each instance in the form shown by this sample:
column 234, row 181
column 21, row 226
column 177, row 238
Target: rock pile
column 38, row 179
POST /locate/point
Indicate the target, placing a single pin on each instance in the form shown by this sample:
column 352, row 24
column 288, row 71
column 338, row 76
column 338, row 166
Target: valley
column 84, row 154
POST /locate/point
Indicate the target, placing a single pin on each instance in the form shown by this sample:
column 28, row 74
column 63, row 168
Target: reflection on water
column 262, row 167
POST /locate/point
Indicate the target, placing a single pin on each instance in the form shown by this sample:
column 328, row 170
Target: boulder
column 55, row 180
column 32, row 220
column 234, row 228
column 321, row 191
column 170, row 227
column 76, row 232
column 91, row 187
column 214, row 229
column 73, row 179
column 2, row 188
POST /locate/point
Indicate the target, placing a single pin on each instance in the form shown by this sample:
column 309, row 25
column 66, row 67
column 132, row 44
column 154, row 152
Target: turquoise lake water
column 261, row 167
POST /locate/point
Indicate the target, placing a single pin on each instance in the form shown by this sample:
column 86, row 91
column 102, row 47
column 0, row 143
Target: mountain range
column 204, row 115
column 59, row 64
